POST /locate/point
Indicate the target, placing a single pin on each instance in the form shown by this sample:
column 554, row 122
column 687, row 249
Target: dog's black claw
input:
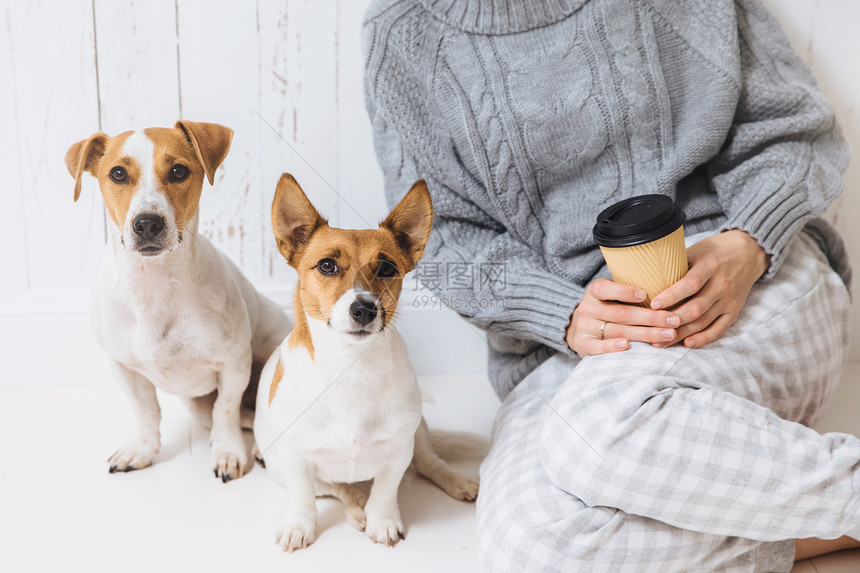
column 261, row 461
column 400, row 533
column 112, row 469
column 215, row 471
column 128, row 469
column 224, row 478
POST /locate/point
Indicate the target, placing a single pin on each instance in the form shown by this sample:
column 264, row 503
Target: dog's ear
column 294, row 219
column 85, row 156
column 211, row 142
column 411, row 220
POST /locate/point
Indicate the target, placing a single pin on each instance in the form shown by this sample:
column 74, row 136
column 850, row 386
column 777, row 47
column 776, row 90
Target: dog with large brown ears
column 338, row 401
column 169, row 309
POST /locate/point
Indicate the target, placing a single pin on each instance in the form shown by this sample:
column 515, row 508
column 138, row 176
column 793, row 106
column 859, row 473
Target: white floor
column 60, row 509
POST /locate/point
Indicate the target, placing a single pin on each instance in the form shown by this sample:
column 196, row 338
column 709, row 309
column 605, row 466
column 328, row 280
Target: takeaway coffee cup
column 642, row 240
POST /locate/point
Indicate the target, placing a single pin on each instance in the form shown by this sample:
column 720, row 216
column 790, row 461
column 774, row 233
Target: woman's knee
column 537, row 527
column 590, row 418
column 545, row 529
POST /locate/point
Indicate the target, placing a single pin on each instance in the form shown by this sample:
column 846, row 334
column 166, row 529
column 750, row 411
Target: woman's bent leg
column 715, row 440
column 525, row 523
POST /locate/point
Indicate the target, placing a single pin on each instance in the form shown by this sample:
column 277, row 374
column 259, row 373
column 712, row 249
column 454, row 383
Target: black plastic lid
column 638, row 220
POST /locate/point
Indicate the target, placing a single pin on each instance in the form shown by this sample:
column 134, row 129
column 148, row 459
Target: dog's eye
column 327, row 267
column 118, row 174
column 386, row 270
column 178, row 172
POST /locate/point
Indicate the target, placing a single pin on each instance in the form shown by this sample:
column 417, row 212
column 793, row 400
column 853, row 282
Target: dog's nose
column 363, row 311
column 148, row 225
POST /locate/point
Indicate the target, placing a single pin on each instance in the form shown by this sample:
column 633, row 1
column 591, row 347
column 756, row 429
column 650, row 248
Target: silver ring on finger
column 603, row 331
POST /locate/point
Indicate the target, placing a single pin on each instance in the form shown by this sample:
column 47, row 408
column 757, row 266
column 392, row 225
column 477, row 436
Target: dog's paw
column 354, row 499
column 356, row 516
column 293, row 535
column 229, row 462
column 387, row 531
column 137, row 453
column 462, row 486
column 255, row 453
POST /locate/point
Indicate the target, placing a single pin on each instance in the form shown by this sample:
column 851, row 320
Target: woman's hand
column 608, row 309
column 723, row 270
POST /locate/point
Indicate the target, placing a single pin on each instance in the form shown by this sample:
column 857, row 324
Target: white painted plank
column 138, row 84
column 12, row 232
column 52, row 70
column 360, row 181
column 825, row 34
column 298, row 109
column 834, row 51
column 218, row 81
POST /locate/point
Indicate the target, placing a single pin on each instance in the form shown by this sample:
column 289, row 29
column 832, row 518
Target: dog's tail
column 455, row 446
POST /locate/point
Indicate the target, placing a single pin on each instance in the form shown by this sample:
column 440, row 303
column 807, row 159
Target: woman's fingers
column 595, row 336
column 714, row 331
column 700, row 305
column 639, row 333
column 589, row 337
column 591, row 346
column 701, row 323
column 705, row 330
column 607, row 290
column 637, row 316
column 691, row 283
column 604, row 304
column 607, row 320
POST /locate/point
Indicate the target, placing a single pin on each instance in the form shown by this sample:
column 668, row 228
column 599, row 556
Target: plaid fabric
column 679, row 460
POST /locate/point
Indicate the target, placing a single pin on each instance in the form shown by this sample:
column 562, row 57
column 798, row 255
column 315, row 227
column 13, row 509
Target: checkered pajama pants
column 681, row 460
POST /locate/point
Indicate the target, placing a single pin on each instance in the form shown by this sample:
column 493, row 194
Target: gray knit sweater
column 527, row 118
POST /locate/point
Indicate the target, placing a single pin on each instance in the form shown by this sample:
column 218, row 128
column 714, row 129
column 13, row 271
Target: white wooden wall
column 287, row 77
column 825, row 33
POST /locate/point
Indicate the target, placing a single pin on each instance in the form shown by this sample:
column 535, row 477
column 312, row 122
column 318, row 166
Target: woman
column 669, row 438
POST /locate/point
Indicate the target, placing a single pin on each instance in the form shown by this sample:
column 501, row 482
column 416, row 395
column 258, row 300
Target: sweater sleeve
column 472, row 263
column 783, row 160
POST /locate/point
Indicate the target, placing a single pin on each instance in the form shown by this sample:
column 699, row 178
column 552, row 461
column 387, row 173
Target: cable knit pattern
column 528, row 118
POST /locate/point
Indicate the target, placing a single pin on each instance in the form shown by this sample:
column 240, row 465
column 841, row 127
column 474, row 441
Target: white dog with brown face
column 168, row 308
column 338, row 402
